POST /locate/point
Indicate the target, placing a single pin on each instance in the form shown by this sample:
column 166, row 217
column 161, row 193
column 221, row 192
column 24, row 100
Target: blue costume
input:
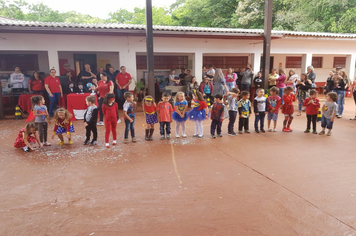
column 198, row 112
column 180, row 106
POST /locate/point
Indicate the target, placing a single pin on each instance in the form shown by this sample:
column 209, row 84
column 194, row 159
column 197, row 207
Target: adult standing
column 182, row 76
column 311, row 76
column 280, row 83
column 188, row 77
column 54, row 90
column 112, row 74
column 101, row 70
column 247, row 74
column 329, row 85
column 230, row 79
column 65, row 69
column 340, row 85
column 36, row 84
column 26, row 79
column 210, row 73
column 272, row 78
column 292, row 79
column 17, row 78
column 303, row 85
column 123, row 81
column 86, row 76
column 219, row 83
column 104, row 86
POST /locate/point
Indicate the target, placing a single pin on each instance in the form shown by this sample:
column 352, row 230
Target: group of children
column 164, row 114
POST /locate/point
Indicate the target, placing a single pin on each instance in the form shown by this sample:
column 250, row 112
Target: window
column 293, row 62
column 163, row 62
column 317, row 62
column 24, row 61
column 225, row 62
column 339, row 62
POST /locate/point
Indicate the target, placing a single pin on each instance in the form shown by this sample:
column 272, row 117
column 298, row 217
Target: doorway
column 271, row 61
column 81, row 59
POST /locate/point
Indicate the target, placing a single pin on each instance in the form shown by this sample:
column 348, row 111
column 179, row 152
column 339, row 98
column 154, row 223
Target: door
column 81, row 59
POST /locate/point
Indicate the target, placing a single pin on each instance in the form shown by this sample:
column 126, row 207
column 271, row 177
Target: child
column 288, row 108
column 90, row 117
column 129, row 117
column 149, row 108
column 244, row 107
column 273, row 103
column 198, row 113
column 260, row 109
column 329, row 110
column 63, row 125
column 27, row 137
column 164, row 114
column 257, row 81
column 206, row 88
column 110, row 111
column 173, row 81
column 217, row 116
column 312, row 105
column 180, row 114
column 40, row 112
column 232, row 101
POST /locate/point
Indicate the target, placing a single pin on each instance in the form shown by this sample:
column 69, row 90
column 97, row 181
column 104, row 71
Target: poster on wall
column 161, row 76
column 102, row 63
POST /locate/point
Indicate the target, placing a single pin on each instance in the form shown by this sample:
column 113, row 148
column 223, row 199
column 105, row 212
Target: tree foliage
column 295, row 15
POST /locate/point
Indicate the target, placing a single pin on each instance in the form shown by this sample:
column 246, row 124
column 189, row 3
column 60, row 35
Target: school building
column 41, row 46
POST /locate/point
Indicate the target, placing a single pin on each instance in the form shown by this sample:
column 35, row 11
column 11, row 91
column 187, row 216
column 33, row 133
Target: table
column 26, row 104
column 77, row 106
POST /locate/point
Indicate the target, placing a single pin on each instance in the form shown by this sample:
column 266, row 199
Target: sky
column 99, row 8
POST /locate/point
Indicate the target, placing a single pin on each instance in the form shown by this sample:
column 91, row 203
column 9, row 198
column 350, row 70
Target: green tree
column 13, row 10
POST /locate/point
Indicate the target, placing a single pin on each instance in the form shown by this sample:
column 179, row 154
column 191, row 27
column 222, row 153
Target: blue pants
column 280, row 94
column 340, row 101
column 168, row 127
column 260, row 118
column 245, row 87
column 120, row 97
column 215, row 125
column 232, row 119
column 230, row 85
column 326, row 123
column 53, row 103
column 129, row 127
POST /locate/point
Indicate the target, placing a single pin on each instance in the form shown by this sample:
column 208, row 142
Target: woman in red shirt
column 54, row 90
column 104, row 86
column 36, row 84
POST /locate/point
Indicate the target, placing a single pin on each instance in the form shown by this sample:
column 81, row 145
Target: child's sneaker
column 289, row 129
column 274, row 130
column 162, row 137
column 118, row 121
column 168, row 136
column 247, row 131
column 257, row 131
column 269, row 130
column 195, row 135
column 61, row 143
column 219, row 135
column 107, row 145
column 212, row 136
column 329, row 133
column 86, row 142
column 285, row 130
column 70, row 142
column 322, row 132
column 114, row 142
column 307, row 131
column 314, row 132
column 229, row 133
column 100, row 123
column 177, row 136
column 46, row 144
column 93, row 142
column 240, row 131
column 263, row 131
column 184, row 135
column 233, row 133
column 26, row 149
column 134, row 140
column 200, row 136
column 126, row 141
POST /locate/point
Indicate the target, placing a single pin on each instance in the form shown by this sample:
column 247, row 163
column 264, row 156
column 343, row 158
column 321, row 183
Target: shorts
column 272, row 116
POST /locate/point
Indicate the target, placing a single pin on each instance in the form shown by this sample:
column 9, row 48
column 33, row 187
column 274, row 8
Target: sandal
column 353, row 118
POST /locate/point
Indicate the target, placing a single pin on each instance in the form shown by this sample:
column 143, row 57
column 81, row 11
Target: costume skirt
column 303, row 94
column 62, row 130
column 20, row 143
column 177, row 117
column 151, row 118
column 287, row 109
column 195, row 114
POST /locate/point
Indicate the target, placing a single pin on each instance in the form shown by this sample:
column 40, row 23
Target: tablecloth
column 76, row 102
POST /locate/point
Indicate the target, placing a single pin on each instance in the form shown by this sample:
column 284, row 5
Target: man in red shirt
column 123, row 81
column 54, row 90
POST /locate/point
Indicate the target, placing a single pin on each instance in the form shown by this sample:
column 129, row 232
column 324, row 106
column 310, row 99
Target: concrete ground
column 251, row 184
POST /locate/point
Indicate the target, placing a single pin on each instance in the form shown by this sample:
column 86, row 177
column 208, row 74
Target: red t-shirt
column 104, row 87
column 36, row 85
column 149, row 109
column 123, row 79
column 202, row 105
column 165, row 110
column 53, row 84
column 311, row 109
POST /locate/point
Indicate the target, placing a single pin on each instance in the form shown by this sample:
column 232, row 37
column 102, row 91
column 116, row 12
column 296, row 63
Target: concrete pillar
column 350, row 66
column 127, row 58
column 198, row 65
column 53, row 61
column 256, row 62
column 306, row 61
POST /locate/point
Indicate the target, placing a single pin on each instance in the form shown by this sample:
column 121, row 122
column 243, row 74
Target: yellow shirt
column 272, row 77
